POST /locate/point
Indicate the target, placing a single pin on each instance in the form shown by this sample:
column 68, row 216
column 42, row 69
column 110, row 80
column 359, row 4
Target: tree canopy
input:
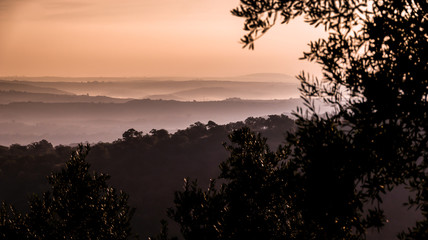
column 374, row 65
column 337, row 166
column 149, row 166
column 79, row 205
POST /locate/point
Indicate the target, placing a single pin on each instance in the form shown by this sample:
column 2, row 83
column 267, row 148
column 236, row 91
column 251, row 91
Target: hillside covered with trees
column 150, row 167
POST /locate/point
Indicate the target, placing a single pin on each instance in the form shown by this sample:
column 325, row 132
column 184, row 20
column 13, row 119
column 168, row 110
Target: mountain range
column 72, row 110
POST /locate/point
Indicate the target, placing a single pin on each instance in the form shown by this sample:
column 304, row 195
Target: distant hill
column 28, row 87
column 64, row 123
column 257, row 86
column 69, row 110
column 165, row 97
column 7, row 97
column 251, row 91
column 263, row 77
column 267, row 77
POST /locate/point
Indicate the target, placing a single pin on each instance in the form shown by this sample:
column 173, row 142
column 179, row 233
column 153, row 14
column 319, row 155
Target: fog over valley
column 263, row 86
column 72, row 110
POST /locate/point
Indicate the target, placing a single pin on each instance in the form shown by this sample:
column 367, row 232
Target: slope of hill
column 184, row 90
column 28, row 87
column 266, row 77
column 150, row 167
column 7, row 97
column 64, row 123
column 251, row 91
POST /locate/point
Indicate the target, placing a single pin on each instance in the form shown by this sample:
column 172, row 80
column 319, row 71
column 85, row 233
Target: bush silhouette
column 79, row 205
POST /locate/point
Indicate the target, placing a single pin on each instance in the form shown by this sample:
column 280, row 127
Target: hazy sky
column 195, row 38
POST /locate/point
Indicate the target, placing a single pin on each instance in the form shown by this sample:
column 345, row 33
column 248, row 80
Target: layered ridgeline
column 148, row 163
column 73, row 110
column 255, row 86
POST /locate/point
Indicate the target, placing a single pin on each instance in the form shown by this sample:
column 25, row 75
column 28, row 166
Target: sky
column 142, row 38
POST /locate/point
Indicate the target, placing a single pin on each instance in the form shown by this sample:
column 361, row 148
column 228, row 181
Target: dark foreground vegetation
column 148, row 166
column 78, row 205
column 332, row 176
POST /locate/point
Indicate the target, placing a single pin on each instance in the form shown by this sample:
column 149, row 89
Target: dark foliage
column 251, row 203
column 79, row 205
column 375, row 73
column 340, row 165
column 12, row 224
column 150, row 167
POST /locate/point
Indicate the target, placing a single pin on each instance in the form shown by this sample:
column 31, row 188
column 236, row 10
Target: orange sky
column 193, row 38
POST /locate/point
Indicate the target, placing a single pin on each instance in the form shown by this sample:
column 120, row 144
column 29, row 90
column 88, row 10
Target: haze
column 187, row 38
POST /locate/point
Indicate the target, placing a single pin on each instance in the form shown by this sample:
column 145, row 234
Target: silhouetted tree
column 164, row 233
column 158, row 166
column 161, row 134
column 374, row 64
column 251, row 203
column 79, row 205
column 132, row 135
column 211, row 124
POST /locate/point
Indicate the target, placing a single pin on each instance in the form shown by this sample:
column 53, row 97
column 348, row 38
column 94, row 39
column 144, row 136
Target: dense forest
column 149, row 166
